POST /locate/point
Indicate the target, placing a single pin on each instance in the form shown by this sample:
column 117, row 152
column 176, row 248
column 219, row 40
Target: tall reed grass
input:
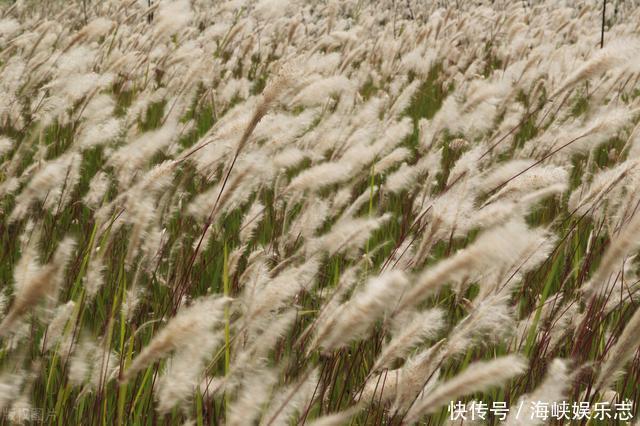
column 283, row 212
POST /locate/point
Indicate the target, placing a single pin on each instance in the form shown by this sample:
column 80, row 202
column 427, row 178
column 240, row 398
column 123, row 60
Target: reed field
column 332, row 212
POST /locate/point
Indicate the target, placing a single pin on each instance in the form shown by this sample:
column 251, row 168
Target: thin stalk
column 227, row 334
column 604, row 11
